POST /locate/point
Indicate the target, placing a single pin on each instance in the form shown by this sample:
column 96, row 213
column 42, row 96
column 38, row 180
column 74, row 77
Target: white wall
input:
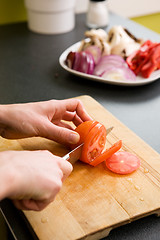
column 126, row 8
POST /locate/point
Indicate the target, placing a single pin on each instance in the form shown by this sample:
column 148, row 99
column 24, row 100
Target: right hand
column 32, row 178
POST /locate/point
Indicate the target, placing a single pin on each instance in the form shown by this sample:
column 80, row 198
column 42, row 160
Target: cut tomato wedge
column 94, row 143
column 123, row 162
column 107, row 153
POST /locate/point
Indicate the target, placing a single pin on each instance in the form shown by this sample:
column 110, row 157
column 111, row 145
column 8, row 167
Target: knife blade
column 75, row 154
column 108, row 130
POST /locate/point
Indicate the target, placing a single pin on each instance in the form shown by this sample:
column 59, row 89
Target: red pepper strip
column 107, row 154
column 132, row 61
column 152, row 63
column 156, row 55
column 147, row 69
column 145, row 60
column 143, row 55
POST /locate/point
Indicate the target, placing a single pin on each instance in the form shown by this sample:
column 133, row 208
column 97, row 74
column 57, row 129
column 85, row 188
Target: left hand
column 44, row 119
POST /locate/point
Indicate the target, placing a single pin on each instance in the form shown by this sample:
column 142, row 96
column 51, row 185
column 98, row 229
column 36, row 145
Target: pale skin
column 32, row 179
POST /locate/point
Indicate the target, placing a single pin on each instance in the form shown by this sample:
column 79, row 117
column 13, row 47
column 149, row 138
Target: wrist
column 6, row 177
column 3, row 114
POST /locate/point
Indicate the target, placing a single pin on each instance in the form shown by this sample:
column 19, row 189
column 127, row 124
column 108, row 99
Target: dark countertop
column 30, row 71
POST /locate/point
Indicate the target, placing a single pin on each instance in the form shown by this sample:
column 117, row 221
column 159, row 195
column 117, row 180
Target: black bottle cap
column 97, row 0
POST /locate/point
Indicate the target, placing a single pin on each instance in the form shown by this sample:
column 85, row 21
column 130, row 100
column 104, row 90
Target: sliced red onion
column 114, row 67
column 84, row 62
column 70, row 59
column 95, row 51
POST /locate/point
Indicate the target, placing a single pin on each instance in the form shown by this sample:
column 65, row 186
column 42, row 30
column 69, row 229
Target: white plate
column 139, row 80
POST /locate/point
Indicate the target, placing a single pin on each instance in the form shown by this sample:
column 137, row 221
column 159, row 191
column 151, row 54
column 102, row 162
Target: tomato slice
column 107, row 153
column 83, row 130
column 93, row 135
column 123, row 162
column 94, row 143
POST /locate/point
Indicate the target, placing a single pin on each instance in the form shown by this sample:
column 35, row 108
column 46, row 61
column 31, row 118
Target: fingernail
column 74, row 138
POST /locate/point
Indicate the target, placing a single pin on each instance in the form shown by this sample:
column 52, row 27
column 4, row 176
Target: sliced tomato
column 107, row 153
column 94, row 142
column 123, row 162
column 83, row 129
column 93, row 135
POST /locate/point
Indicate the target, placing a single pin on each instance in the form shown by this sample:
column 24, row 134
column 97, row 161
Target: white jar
column 51, row 16
column 97, row 15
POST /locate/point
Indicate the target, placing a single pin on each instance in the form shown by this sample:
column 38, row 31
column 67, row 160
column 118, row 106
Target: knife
column 75, row 154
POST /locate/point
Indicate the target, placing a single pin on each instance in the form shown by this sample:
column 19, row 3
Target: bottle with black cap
column 97, row 14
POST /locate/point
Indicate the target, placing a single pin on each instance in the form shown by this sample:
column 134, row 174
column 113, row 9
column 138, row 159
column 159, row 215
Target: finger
column 35, row 205
column 82, row 113
column 72, row 116
column 60, row 134
column 66, row 168
column 19, row 204
column 29, row 204
column 64, row 125
column 76, row 105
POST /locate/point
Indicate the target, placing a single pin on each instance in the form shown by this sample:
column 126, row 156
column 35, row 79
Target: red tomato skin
column 123, row 162
column 107, row 153
column 94, row 142
column 83, row 130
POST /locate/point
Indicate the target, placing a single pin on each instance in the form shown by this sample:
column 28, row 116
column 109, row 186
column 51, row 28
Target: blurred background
column 145, row 13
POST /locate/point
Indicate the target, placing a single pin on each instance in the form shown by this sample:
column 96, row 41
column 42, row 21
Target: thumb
column 62, row 135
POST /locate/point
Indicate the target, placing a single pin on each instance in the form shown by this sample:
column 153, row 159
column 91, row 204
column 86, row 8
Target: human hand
column 31, row 178
column 43, row 119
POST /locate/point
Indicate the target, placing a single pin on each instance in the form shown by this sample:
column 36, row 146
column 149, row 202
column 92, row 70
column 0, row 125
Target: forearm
column 13, row 121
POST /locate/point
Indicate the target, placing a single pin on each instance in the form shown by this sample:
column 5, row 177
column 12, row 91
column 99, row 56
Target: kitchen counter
column 30, row 71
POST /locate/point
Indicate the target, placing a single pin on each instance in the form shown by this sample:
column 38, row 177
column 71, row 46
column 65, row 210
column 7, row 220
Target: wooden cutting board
column 93, row 201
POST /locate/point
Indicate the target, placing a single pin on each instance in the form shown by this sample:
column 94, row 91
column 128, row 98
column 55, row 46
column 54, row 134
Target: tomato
column 107, row 153
column 83, row 129
column 94, row 143
column 123, row 162
column 93, row 135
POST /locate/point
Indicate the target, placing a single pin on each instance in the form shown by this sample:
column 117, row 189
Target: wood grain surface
column 93, row 201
